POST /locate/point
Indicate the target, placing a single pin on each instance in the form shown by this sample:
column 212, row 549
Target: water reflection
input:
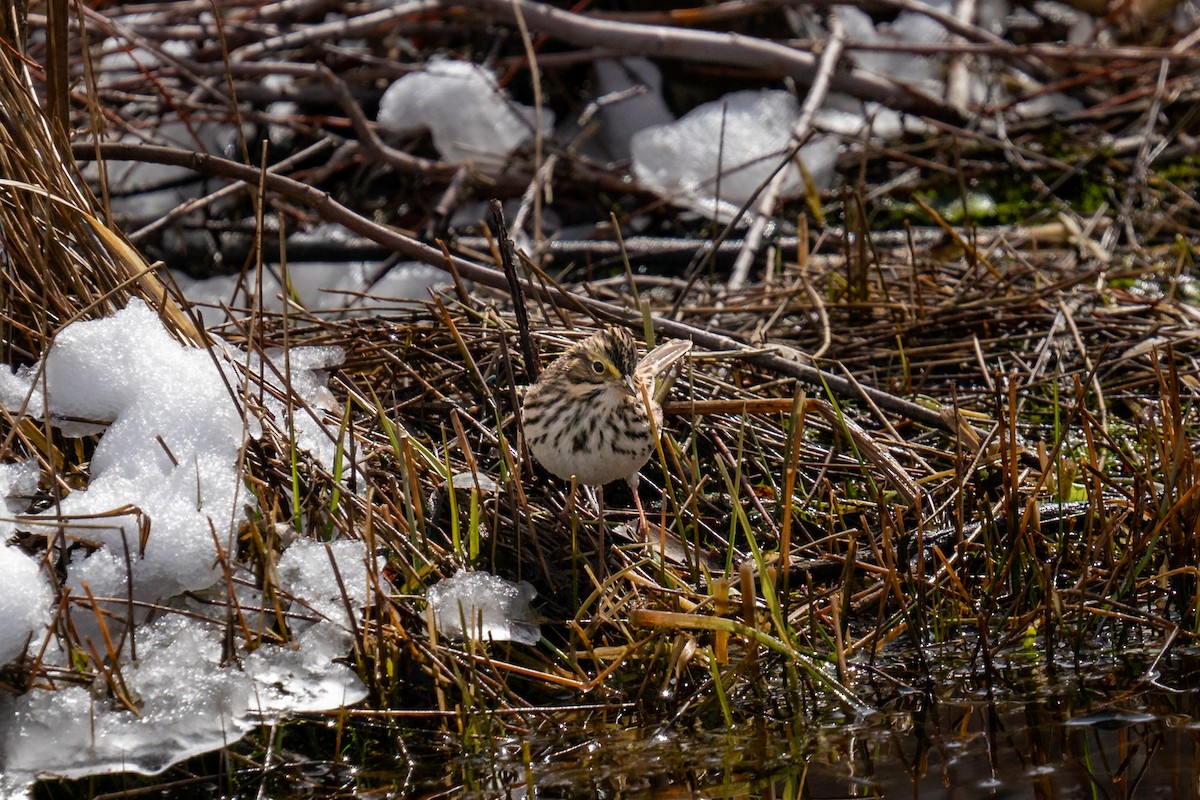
column 1009, row 749
column 1032, row 739
column 1012, row 732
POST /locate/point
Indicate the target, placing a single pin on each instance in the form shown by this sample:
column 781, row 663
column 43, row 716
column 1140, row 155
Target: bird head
column 608, row 357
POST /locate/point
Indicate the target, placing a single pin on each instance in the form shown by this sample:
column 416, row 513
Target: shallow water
column 944, row 750
column 1027, row 729
column 1019, row 734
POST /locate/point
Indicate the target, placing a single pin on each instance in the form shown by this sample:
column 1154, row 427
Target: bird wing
column 661, row 358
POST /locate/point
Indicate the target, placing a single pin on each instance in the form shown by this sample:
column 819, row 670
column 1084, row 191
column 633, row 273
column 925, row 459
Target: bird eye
column 598, row 367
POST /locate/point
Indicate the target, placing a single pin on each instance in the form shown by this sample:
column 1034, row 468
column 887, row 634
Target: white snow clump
column 715, row 158
column 157, row 521
column 464, row 110
column 909, row 27
column 25, row 601
column 630, row 90
column 494, row 609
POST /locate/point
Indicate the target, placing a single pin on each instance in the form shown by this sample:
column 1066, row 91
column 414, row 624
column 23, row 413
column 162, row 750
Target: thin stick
column 766, row 201
column 781, row 359
column 515, row 289
column 707, row 47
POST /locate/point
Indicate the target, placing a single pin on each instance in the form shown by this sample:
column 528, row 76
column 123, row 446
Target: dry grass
column 784, row 521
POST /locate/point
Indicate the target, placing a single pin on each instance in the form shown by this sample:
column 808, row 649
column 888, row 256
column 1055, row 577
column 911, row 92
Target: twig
column 332, row 31
column 708, row 47
column 397, row 159
column 958, row 73
column 505, row 245
column 783, row 360
column 1141, row 165
column 766, row 201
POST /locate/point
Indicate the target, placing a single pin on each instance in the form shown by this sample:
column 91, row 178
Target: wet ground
column 1123, row 724
column 1079, row 736
column 951, row 750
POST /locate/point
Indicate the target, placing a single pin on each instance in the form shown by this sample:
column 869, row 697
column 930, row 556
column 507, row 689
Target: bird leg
column 643, row 526
column 601, row 549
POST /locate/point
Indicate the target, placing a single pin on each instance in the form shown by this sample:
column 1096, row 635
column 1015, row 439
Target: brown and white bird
column 591, row 414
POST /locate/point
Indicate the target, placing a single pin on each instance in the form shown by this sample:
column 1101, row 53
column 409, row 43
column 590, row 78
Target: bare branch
column 731, row 49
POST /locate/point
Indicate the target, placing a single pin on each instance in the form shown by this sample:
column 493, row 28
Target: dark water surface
column 1021, row 735
column 1125, row 725
column 1005, row 749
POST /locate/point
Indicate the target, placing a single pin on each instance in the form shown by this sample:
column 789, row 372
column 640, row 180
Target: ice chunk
column 463, row 109
column 744, row 137
column 472, row 480
column 145, row 191
column 308, row 563
column 127, row 58
column 280, row 112
column 1052, row 105
column 909, row 27
column 852, row 118
column 641, row 107
column 405, row 284
column 355, row 287
column 24, row 603
column 190, row 700
column 493, row 608
column 165, row 488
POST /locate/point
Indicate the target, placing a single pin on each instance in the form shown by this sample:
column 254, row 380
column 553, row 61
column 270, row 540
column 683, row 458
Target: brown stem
column 782, row 361
column 709, row 47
